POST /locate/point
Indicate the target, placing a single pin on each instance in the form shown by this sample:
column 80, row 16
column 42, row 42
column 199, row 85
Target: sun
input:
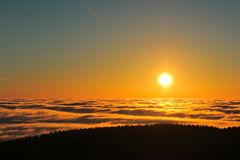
column 165, row 80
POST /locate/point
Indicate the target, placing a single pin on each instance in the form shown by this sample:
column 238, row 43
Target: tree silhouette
column 158, row 141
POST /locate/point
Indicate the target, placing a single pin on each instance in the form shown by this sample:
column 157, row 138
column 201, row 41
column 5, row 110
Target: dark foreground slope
column 137, row 142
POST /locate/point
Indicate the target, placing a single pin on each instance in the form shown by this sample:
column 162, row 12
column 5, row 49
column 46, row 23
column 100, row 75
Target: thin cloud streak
column 93, row 13
column 3, row 78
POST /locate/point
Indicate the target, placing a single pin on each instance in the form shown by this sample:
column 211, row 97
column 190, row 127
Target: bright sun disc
column 165, row 79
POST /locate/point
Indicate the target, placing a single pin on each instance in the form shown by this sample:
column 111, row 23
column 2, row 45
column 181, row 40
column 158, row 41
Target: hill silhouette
column 150, row 142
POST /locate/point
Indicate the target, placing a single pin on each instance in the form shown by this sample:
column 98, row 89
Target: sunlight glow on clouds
column 21, row 117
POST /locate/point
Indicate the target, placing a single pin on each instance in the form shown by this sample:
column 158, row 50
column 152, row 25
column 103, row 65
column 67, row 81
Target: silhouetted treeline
column 150, row 142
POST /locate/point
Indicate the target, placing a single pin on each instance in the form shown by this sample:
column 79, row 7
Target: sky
column 117, row 49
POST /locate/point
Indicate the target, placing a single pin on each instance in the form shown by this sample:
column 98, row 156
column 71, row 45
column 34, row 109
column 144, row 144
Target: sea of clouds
column 26, row 117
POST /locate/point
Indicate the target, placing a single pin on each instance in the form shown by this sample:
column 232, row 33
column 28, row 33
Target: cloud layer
column 21, row 117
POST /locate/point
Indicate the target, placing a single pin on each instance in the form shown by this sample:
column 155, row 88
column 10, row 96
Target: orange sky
column 118, row 50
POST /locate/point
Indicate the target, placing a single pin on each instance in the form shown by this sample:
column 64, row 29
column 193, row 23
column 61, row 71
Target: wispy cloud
column 3, row 78
column 93, row 13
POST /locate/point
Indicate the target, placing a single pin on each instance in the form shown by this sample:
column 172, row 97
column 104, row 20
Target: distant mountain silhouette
column 149, row 142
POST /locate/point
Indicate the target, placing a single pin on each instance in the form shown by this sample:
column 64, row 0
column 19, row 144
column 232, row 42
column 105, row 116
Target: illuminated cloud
column 20, row 117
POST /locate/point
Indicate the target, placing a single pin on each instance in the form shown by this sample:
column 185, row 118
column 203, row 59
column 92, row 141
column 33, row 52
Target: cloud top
column 22, row 117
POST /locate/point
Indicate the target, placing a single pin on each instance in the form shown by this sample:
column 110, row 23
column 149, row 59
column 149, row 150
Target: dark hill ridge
column 150, row 142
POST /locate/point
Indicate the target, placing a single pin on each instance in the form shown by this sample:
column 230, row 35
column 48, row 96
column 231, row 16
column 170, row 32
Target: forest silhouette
column 150, row 142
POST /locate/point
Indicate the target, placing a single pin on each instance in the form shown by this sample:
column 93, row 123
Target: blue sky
column 103, row 48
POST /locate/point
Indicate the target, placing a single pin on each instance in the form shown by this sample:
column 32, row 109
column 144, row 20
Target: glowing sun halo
column 165, row 79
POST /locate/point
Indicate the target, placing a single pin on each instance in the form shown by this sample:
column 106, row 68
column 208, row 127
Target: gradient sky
column 116, row 49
